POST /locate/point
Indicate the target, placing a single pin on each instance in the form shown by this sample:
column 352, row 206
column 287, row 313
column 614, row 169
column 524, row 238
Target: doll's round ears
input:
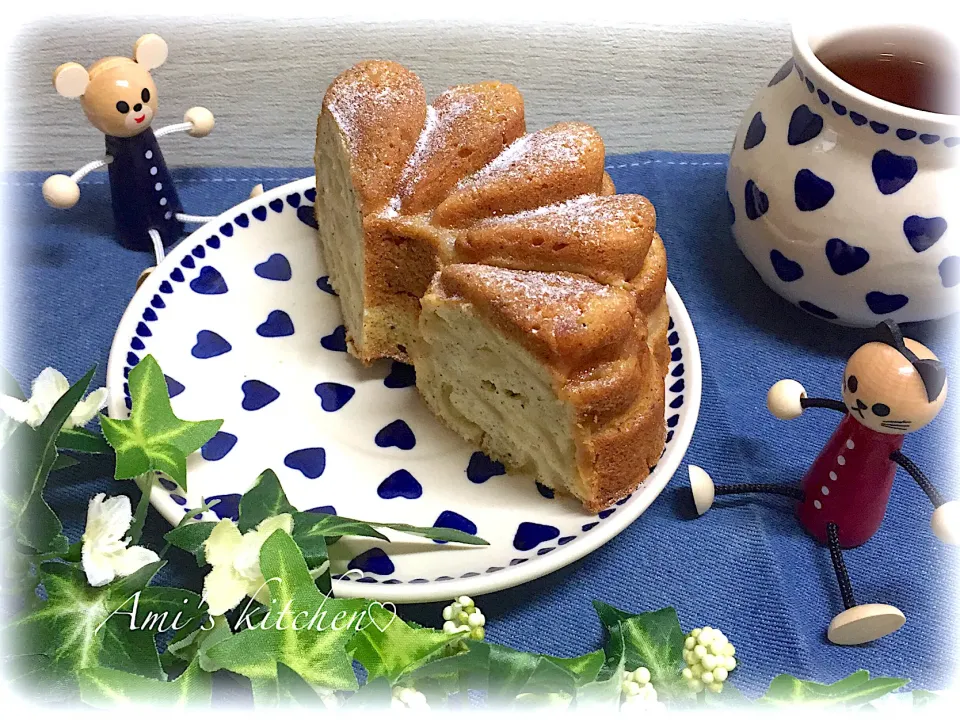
column 150, row 51
column 70, row 79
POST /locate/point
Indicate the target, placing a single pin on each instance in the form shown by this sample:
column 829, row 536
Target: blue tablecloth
column 745, row 567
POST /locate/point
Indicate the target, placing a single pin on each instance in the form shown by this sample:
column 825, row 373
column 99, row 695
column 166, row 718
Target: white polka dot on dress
column 148, row 154
column 841, row 460
column 833, row 475
column 817, row 505
column 825, row 490
column 158, row 187
column 153, row 170
column 167, row 215
column 850, row 444
column 163, row 201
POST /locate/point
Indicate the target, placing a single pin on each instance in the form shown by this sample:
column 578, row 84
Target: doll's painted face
column 121, row 99
column 884, row 391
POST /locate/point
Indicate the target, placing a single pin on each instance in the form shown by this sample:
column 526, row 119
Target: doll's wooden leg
column 857, row 624
column 704, row 490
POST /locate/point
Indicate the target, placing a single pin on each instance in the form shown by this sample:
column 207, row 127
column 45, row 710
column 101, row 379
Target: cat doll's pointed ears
column 932, row 372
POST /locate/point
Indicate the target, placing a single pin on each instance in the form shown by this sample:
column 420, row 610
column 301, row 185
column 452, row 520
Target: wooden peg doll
column 119, row 98
column 891, row 387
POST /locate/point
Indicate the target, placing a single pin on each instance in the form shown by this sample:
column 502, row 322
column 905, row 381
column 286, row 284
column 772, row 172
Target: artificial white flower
column 235, row 558
column 105, row 553
column 49, row 387
column 408, row 698
column 463, row 615
column 709, row 656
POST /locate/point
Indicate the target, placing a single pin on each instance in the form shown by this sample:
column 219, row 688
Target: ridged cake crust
column 591, row 339
column 454, row 204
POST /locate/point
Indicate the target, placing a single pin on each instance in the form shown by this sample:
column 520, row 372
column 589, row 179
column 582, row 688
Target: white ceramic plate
column 241, row 320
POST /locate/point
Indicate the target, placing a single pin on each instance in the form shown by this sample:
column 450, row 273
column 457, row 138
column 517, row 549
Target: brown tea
column 911, row 67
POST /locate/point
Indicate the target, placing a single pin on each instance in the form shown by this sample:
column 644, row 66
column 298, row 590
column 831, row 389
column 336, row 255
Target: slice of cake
column 549, row 372
column 530, row 297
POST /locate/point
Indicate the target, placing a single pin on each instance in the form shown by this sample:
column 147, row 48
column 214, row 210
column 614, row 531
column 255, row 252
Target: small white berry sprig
column 637, row 691
column 463, row 615
column 408, row 698
column 709, row 656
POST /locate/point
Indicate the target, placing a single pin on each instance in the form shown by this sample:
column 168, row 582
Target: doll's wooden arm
column 197, row 122
column 787, row 400
column 62, row 191
column 945, row 521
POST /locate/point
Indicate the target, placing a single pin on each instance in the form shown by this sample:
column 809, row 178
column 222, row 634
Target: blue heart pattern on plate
column 396, row 434
column 275, row 267
column 374, row 561
column 309, row 461
column 217, row 447
column 530, row 534
column 209, row 282
column 333, row 396
column 335, row 341
column 277, row 324
column 257, row 394
column 209, row 344
column 454, row 521
column 845, row 258
column 400, row 484
column 481, row 468
column 401, row 376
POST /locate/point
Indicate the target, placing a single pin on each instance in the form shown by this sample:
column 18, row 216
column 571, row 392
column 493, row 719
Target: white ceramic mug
column 848, row 205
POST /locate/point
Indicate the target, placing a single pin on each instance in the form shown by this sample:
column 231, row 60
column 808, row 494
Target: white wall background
column 644, row 84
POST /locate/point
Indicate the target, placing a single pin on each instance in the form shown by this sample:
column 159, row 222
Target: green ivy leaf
column 584, row 668
column 9, row 385
column 63, row 462
column 853, row 691
column 265, row 499
column 32, row 455
column 374, row 695
column 107, row 688
column 154, row 438
column 140, row 514
column 81, row 627
column 653, row 640
column 603, row 694
column 316, row 652
column 396, row 649
column 191, row 536
column 81, row 440
column 308, row 525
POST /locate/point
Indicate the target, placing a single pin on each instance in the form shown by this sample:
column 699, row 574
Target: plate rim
column 406, row 593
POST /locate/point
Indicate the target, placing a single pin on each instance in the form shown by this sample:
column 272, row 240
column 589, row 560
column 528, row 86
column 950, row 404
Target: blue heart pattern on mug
column 309, row 461
column 892, row 172
column 805, row 125
column 755, row 133
column 786, row 269
column 755, row 200
column 306, row 216
column 324, row 284
column 400, row 484
column 333, row 396
column 924, row 232
column 845, row 258
column 882, row 304
column 810, row 191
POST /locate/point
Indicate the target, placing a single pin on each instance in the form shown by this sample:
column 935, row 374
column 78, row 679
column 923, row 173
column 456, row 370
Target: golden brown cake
column 435, row 218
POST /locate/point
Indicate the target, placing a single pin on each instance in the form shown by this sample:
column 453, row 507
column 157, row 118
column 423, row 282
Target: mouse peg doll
column 119, row 98
column 891, row 387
